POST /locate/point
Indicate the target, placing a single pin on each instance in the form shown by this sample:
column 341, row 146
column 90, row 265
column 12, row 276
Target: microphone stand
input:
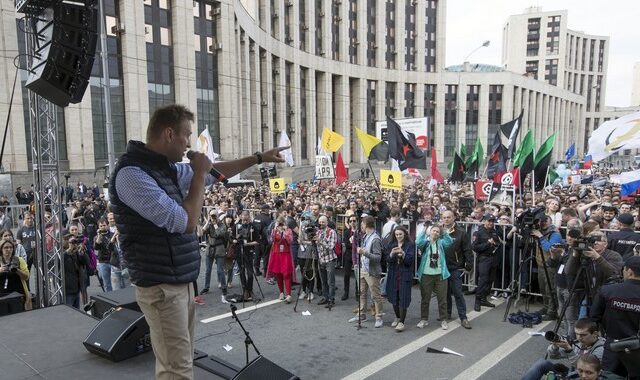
column 247, row 340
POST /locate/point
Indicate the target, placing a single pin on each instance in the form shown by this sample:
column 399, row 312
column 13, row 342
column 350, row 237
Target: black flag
column 404, row 149
column 458, row 170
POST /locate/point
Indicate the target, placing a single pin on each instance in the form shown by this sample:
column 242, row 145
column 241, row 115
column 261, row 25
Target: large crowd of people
column 163, row 219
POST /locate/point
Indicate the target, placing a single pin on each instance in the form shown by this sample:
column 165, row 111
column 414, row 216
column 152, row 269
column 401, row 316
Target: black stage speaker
column 217, row 366
column 103, row 302
column 263, row 368
column 66, row 46
column 11, row 303
column 121, row 335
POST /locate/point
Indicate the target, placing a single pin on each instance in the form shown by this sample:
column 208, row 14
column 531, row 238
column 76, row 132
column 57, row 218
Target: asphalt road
column 324, row 345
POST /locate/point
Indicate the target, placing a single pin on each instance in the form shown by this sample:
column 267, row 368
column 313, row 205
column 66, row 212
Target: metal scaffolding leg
column 49, row 272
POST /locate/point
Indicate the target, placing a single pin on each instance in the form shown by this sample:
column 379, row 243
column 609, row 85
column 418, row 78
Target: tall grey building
column 540, row 44
column 253, row 68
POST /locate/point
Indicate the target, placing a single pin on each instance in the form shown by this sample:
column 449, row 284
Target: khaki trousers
column 170, row 312
column 372, row 283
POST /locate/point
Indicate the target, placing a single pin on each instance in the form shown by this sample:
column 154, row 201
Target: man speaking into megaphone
column 157, row 201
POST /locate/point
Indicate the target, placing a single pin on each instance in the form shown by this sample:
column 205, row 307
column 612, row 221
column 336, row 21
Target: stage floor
column 47, row 344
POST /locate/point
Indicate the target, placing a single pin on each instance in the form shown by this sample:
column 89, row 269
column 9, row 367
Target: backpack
column 525, row 319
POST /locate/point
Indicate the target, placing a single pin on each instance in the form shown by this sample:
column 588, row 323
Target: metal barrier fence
column 15, row 212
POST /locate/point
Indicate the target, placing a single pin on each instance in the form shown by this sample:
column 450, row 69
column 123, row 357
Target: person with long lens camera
column 14, row 273
column 598, row 263
column 307, row 254
column 617, row 308
column 564, row 352
column 547, row 235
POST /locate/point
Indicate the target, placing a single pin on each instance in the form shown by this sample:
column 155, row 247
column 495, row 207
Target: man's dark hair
column 103, row 221
column 167, row 117
column 395, row 212
column 586, row 324
column 570, row 212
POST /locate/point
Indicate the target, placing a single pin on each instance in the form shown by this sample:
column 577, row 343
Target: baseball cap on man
column 490, row 217
column 626, row 219
column 633, row 263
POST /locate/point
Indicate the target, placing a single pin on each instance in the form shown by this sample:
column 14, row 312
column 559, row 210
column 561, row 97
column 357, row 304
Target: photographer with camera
column 547, row 236
column 565, row 352
column 75, row 262
column 626, row 239
column 262, row 221
column 14, row 273
column 306, row 256
column 218, row 233
column 617, row 308
column 602, row 264
column 247, row 236
column 104, row 249
column 485, row 243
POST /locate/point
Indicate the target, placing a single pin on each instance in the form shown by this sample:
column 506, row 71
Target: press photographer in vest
column 157, row 201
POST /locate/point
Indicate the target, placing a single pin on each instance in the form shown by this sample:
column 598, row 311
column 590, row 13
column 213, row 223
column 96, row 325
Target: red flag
column 341, row 171
column 510, row 178
column 435, row 174
column 483, row 189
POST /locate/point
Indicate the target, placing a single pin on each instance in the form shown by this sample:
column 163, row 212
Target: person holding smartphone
column 280, row 258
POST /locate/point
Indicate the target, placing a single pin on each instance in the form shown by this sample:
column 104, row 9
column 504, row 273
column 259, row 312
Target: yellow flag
column 277, row 185
column 391, row 179
column 331, row 141
column 367, row 141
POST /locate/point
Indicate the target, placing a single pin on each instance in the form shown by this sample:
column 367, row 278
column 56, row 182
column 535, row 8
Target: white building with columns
column 252, row 68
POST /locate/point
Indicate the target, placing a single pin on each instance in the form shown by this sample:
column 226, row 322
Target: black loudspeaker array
column 66, row 38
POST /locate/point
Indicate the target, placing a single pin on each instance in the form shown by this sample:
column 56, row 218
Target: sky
column 471, row 22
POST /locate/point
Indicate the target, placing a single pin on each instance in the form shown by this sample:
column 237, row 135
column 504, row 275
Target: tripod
column 584, row 274
column 247, row 340
column 304, row 270
column 514, row 288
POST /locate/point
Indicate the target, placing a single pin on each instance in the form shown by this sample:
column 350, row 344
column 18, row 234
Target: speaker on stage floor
column 102, row 303
column 258, row 368
column 121, row 335
column 263, row 368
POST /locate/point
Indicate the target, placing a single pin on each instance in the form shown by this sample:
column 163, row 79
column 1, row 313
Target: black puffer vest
column 152, row 254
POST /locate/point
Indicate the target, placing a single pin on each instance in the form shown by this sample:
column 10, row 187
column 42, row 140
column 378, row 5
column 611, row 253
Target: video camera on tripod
column 530, row 219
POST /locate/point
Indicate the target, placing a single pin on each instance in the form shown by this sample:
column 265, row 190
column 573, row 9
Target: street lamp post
column 459, row 92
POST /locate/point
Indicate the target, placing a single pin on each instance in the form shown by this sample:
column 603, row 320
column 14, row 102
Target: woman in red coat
column 280, row 258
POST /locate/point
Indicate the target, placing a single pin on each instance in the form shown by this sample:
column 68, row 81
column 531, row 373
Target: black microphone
column 216, row 174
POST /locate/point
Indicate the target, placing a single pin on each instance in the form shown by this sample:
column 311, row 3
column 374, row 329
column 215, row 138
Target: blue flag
column 570, row 152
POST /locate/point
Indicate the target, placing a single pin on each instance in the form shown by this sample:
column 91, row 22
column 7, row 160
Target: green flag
column 463, row 152
column 524, row 149
column 542, row 161
column 552, row 176
column 478, row 152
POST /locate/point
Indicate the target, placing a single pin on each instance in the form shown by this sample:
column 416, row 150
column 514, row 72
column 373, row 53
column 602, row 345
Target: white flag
column 205, row 145
column 614, row 136
column 319, row 150
column 287, row 154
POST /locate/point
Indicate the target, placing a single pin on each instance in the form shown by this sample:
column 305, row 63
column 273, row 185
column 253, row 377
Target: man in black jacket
column 626, row 239
column 459, row 260
column 262, row 221
column 157, row 202
column 485, row 243
column 617, row 308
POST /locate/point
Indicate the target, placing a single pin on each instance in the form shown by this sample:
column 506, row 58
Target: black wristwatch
column 259, row 157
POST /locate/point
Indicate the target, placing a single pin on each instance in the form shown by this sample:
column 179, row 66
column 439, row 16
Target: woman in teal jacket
column 433, row 274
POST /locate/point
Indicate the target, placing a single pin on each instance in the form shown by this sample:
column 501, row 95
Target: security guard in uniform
column 485, row 243
column 617, row 308
column 626, row 239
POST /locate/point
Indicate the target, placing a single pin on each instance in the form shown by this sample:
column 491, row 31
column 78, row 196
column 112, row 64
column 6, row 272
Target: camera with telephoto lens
column 583, row 243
